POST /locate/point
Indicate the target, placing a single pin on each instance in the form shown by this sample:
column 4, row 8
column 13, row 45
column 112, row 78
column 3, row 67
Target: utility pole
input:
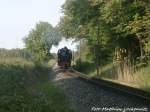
column 73, row 57
column 97, row 47
column 80, row 50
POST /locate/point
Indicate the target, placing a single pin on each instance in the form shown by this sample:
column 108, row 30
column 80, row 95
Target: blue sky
column 17, row 17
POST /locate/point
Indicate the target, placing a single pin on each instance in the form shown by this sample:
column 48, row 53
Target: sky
column 18, row 17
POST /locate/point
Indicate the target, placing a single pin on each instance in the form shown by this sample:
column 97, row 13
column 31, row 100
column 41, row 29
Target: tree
column 40, row 40
column 110, row 23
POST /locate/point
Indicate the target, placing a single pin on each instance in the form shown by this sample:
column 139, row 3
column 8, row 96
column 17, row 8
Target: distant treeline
column 6, row 53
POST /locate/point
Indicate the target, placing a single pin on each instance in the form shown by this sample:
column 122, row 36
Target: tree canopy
column 111, row 24
column 40, row 40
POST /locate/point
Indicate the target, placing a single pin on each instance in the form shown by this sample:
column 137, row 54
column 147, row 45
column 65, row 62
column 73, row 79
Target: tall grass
column 139, row 78
column 128, row 75
column 143, row 78
column 24, row 88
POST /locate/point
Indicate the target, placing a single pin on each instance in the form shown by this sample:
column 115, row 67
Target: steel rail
column 138, row 93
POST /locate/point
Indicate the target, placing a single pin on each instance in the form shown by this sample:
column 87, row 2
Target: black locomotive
column 64, row 56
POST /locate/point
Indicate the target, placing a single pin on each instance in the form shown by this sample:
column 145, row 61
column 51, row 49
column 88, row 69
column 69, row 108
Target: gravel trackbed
column 86, row 97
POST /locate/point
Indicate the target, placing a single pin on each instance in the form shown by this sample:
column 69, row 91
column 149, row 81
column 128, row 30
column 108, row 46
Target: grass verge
column 25, row 88
column 139, row 79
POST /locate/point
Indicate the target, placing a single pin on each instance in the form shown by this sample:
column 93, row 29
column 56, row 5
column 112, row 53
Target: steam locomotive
column 64, row 57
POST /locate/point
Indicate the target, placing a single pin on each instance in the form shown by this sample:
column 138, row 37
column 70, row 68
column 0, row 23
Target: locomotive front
column 64, row 57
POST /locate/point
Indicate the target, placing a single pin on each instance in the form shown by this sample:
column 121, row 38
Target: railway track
column 85, row 94
column 120, row 88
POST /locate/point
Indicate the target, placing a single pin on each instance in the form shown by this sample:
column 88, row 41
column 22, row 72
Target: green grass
column 139, row 79
column 52, row 63
column 25, row 88
column 143, row 78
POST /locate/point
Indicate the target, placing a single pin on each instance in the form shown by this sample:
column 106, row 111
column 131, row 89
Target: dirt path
column 85, row 97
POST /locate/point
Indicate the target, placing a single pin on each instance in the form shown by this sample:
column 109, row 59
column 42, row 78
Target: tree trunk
column 141, row 51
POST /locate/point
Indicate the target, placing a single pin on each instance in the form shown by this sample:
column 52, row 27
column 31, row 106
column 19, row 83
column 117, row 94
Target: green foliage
column 109, row 24
column 128, row 25
column 40, row 40
column 20, row 53
column 23, row 88
column 84, row 66
column 116, row 30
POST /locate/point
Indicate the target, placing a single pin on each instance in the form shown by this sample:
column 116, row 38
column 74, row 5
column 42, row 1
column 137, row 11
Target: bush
column 24, row 88
column 84, row 66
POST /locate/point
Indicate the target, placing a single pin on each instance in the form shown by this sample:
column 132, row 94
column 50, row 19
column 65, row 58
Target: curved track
column 115, row 86
column 87, row 97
